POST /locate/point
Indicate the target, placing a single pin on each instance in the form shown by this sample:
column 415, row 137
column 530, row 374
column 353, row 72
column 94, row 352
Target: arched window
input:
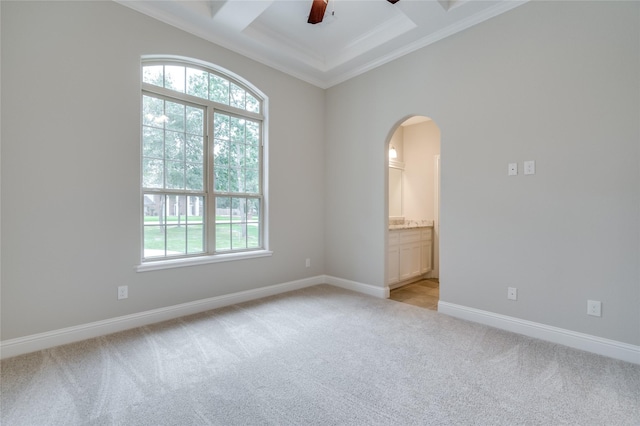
column 202, row 163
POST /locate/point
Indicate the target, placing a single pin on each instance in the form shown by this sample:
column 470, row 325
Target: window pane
column 239, row 227
column 236, row 128
column 221, row 126
column 253, row 104
column 194, row 211
column 198, row 83
column 176, row 240
column 195, row 177
column 195, row 149
column 223, row 209
column 237, row 96
column 152, row 173
column 223, row 223
column 154, row 236
column 190, row 214
column 252, row 181
column 252, row 156
column 221, row 153
column 154, row 241
column 239, row 236
column 195, row 239
column 221, row 179
column 174, row 146
column 153, row 74
column 176, row 113
column 174, row 78
column 218, row 89
column 253, row 133
column 253, row 223
column 175, row 175
column 195, row 120
column 223, row 237
column 153, row 112
column 152, row 142
column 236, row 156
column 234, row 176
column 175, row 223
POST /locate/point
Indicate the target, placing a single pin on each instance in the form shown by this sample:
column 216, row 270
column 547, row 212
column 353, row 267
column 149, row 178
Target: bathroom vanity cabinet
column 410, row 254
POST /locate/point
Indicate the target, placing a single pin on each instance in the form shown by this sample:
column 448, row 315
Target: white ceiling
column 355, row 36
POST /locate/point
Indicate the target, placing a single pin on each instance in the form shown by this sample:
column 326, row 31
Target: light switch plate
column 513, row 169
column 530, row 167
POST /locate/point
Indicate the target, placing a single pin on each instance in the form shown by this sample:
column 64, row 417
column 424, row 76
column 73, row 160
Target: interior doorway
column 413, row 201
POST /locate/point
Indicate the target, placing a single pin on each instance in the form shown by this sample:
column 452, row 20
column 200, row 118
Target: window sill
column 201, row 260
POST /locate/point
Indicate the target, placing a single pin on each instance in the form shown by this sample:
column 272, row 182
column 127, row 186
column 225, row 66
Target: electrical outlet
column 594, row 308
column 123, row 292
column 512, row 293
column 308, row 263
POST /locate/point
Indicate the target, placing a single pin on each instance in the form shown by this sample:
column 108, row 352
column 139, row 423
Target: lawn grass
column 188, row 238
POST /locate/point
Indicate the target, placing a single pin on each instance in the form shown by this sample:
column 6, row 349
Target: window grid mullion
column 165, row 226
column 228, row 109
column 211, row 208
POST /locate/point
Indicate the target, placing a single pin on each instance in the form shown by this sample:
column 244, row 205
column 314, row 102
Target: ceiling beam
column 238, row 14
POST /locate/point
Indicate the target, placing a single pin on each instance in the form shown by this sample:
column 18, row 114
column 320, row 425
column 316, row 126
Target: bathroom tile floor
column 424, row 293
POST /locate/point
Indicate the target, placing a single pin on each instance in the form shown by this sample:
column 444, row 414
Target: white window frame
column 210, row 108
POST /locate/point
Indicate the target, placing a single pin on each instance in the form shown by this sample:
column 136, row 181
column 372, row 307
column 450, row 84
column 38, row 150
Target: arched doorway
column 413, row 202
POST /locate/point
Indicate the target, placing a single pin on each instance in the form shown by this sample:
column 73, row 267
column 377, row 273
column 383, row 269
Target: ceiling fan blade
column 317, row 11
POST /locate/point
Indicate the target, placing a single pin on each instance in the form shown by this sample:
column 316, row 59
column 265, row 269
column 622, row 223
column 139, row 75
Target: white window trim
column 154, row 265
column 201, row 260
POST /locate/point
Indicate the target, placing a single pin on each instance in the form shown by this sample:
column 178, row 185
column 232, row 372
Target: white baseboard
column 36, row 342
column 371, row 290
column 585, row 342
column 40, row 341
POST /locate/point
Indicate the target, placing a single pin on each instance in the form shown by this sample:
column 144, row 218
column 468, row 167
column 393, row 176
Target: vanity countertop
column 411, row 224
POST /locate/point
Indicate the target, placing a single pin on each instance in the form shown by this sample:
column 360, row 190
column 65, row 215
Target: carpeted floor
column 318, row 356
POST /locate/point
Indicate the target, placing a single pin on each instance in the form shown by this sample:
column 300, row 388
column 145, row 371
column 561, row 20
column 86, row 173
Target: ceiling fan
column 318, row 8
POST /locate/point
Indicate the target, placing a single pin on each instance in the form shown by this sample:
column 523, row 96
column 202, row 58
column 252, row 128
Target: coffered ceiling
column 355, row 35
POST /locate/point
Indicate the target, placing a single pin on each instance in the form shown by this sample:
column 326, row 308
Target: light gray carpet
column 318, row 356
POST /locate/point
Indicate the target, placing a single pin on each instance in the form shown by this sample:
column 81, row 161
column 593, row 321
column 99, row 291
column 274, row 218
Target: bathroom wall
column 421, row 145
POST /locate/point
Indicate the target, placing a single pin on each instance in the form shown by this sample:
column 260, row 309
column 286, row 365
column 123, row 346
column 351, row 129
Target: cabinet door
column 394, row 265
column 416, row 250
column 426, row 251
column 405, row 261
column 409, row 260
column 426, row 256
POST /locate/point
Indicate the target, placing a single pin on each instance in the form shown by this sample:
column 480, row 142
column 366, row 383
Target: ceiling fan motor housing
column 318, row 7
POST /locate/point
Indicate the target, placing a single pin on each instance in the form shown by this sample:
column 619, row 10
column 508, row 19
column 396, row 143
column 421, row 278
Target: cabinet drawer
column 410, row 236
column 427, row 234
column 394, row 238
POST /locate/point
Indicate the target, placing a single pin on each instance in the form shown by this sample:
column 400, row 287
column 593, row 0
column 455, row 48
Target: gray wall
column 554, row 82
column 71, row 166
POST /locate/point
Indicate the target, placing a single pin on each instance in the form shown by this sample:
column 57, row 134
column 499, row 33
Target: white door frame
column 436, row 217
